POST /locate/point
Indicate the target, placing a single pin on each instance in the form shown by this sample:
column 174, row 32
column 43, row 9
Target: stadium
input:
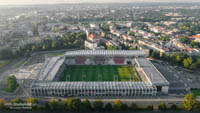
column 99, row 74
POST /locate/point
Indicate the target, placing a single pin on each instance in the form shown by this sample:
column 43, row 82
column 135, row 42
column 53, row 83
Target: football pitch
column 100, row 73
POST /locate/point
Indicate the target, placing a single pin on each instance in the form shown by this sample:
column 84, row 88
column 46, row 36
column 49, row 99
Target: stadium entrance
column 129, row 62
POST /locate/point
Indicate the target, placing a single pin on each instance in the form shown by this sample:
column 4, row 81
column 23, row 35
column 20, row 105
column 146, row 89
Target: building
column 92, row 42
column 196, row 38
column 47, row 84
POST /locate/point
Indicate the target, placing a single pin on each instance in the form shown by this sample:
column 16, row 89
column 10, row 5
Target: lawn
column 55, row 54
column 6, row 90
column 4, row 63
column 100, row 73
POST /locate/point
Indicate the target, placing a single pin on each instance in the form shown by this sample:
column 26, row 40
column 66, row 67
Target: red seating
column 99, row 60
column 80, row 60
column 119, row 60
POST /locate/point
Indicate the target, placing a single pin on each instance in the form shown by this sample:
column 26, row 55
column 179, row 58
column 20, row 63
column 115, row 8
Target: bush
column 98, row 105
column 17, row 100
column 162, row 106
column 12, row 83
column 173, row 107
column 117, row 105
column 133, row 106
column 2, row 103
column 108, row 107
column 53, row 104
column 86, row 105
column 32, row 100
column 150, row 107
column 76, row 104
column 124, row 107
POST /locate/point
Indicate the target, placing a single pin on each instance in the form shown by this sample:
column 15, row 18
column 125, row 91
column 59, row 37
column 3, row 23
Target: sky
column 22, row 2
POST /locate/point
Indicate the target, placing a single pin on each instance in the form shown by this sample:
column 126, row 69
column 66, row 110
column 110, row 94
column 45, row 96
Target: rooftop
column 50, row 68
column 151, row 72
column 196, row 36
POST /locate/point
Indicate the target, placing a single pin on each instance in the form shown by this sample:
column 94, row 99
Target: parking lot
column 177, row 86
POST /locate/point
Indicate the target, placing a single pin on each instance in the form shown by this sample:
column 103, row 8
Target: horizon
column 41, row 2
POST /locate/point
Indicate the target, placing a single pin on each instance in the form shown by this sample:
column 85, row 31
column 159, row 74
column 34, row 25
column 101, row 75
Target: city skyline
column 23, row 2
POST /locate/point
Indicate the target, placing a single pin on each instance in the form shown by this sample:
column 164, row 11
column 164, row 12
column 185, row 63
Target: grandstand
column 99, row 73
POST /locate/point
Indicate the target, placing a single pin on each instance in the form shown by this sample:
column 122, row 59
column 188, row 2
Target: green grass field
column 196, row 92
column 4, row 63
column 55, row 54
column 100, row 73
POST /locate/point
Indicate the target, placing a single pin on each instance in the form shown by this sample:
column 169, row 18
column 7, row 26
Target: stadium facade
column 47, row 81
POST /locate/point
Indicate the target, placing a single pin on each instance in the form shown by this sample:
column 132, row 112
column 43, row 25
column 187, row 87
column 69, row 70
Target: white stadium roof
column 151, row 72
column 50, row 68
column 105, row 53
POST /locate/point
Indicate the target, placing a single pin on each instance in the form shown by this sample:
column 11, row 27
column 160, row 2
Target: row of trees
column 69, row 40
column 181, row 59
column 76, row 105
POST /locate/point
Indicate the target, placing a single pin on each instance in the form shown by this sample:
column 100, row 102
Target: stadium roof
column 151, row 72
column 105, row 52
column 50, row 68
column 96, row 85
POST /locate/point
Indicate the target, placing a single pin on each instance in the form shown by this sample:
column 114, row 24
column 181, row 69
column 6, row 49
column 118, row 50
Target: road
column 4, row 72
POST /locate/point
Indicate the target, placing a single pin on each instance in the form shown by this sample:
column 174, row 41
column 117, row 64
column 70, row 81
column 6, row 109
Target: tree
column 173, row 107
column 86, row 105
column 164, row 38
column 6, row 53
column 117, row 105
column 62, row 105
column 131, row 33
column 112, row 47
column 190, row 60
column 193, row 66
column 162, row 106
column 17, row 100
column 150, row 107
column 155, row 54
column 32, row 100
column 108, row 107
column 98, row 105
column 35, row 29
column 12, row 83
column 178, row 58
column 69, row 104
column 190, row 101
column 53, row 104
column 47, row 107
column 197, row 106
column 184, row 39
column 33, row 48
column 2, row 103
column 133, row 106
column 53, row 44
column 44, row 47
column 131, row 48
column 124, row 107
column 76, row 104
column 186, row 63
